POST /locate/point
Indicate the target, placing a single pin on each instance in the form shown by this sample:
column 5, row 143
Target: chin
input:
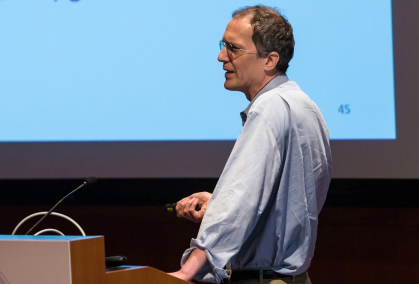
column 229, row 87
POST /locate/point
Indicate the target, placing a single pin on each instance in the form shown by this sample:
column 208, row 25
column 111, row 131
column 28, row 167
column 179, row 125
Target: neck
column 252, row 94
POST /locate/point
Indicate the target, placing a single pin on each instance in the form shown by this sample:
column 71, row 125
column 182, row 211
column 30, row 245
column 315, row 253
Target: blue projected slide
column 95, row 70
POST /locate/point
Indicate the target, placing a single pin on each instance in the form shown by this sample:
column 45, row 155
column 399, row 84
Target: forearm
column 196, row 260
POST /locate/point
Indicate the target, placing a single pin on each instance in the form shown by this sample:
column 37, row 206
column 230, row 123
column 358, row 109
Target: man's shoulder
column 291, row 91
column 286, row 100
column 279, row 97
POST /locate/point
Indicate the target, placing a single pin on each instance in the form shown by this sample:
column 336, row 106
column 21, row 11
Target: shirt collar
column 275, row 82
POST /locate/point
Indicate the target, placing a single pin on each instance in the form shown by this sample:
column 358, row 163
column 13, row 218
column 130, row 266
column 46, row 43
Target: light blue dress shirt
column 264, row 209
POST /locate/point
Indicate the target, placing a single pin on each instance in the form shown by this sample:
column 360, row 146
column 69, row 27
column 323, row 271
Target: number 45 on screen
column 344, row 109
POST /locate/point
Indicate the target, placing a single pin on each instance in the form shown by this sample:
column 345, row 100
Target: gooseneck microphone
column 86, row 183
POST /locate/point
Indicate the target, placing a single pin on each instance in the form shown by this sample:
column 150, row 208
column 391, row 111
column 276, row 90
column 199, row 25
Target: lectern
column 68, row 260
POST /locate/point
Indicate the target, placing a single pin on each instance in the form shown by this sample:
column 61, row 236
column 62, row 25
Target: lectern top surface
column 44, row 238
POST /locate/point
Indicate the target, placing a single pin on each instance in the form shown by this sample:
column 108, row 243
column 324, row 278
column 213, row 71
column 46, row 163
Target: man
column 261, row 221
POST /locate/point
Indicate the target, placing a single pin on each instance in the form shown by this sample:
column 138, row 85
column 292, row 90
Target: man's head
column 271, row 32
column 256, row 46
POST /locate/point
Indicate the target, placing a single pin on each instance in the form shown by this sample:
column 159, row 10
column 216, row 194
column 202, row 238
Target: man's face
column 244, row 69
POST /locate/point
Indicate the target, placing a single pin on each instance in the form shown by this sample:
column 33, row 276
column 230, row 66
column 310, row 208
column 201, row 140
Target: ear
column 271, row 60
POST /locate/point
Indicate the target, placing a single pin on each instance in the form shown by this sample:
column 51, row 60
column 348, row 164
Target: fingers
column 186, row 208
column 195, row 216
column 183, row 207
column 203, row 197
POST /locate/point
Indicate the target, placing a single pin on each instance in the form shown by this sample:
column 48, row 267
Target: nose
column 223, row 56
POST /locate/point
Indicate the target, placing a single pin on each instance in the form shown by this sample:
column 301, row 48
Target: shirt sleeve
column 239, row 198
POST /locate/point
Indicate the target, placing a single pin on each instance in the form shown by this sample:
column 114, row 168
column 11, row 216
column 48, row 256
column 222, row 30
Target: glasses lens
column 222, row 44
column 228, row 48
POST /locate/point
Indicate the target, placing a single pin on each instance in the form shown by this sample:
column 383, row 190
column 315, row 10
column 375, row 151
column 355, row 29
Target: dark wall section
column 367, row 234
column 367, row 245
column 158, row 192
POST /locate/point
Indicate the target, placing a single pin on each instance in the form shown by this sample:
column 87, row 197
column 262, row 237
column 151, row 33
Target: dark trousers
column 298, row 279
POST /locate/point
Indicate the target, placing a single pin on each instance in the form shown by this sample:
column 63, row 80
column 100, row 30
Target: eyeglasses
column 233, row 51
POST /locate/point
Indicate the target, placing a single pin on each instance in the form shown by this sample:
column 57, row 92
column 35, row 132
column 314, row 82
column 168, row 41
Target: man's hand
column 185, row 208
column 179, row 274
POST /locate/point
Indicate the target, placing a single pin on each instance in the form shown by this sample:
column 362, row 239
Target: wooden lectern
column 68, row 260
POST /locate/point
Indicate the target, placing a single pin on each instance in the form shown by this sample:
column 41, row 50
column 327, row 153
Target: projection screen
column 132, row 89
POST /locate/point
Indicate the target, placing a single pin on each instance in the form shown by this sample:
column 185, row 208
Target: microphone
column 86, row 183
column 113, row 261
column 171, row 207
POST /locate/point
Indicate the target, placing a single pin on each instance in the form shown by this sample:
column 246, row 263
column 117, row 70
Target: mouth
column 228, row 74
column 228, row 71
